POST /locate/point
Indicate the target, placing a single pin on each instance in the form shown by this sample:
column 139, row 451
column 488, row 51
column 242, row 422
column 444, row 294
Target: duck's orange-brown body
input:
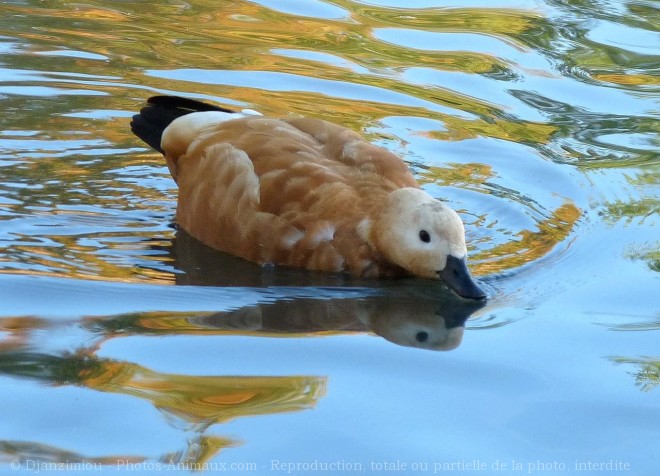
column 285, row 191
column 289, row 191
column 302, row 192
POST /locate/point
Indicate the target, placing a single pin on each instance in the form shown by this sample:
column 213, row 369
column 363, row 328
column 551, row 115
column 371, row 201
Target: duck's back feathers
column 350, row 149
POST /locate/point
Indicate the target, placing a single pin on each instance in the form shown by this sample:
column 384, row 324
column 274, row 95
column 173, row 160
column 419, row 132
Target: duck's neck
column 374, row 196
column 373, row 206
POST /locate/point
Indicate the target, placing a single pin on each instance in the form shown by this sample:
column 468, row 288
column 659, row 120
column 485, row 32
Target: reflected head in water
column 425, row 324
column 405, row 320
column 302, row 192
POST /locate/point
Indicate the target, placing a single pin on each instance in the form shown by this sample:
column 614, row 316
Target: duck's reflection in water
column 407, row 321
column 408, row 312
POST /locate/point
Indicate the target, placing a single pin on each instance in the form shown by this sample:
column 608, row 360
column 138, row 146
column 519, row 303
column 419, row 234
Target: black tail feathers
column 159, row 113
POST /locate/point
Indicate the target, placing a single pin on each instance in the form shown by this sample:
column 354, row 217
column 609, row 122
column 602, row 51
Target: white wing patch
column 351, row 151
column 326, row 232
column 293, row 236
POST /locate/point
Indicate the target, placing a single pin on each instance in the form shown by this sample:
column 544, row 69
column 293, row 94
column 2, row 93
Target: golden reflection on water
column 629, row 79
column 16, row 331
column 532, row 245
column 216, row 46
column 203, row 401
column 199, row 401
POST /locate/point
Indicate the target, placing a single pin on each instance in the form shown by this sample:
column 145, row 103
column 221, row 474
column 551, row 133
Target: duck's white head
column 425, row 237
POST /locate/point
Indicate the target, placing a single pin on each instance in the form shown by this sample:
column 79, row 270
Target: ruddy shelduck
column 302, row 192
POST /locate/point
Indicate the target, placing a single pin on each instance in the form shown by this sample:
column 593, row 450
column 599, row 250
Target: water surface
column 125, row 344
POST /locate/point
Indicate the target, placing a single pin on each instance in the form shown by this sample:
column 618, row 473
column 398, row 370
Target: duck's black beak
column 457, row 277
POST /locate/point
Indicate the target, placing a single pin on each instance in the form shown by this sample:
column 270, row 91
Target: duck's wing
column 264, row 190
column 219, row 204
column 349, row 148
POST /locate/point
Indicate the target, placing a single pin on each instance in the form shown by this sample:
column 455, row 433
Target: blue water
column 126, row 345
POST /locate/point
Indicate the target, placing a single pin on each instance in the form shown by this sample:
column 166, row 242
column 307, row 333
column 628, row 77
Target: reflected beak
column 457, row 277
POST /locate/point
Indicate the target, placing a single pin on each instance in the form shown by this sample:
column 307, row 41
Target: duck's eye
column 422, row 336
column 424, row 236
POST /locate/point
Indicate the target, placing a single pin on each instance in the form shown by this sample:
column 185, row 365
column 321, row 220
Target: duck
column 302, row 192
